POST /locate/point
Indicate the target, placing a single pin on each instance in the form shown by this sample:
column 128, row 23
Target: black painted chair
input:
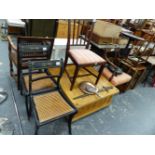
column 48, row 104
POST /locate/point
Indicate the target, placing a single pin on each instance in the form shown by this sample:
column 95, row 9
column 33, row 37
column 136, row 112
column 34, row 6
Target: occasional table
column 91, row 103
column 131, row 37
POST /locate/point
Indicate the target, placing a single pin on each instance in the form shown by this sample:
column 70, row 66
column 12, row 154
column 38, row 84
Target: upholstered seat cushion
column 50, row 106
column 85, row 56
column 116, row 80
column 40, row 84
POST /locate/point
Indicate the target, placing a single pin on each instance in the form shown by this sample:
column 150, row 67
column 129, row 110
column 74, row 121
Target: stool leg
column 77, row 68
column 100, row 73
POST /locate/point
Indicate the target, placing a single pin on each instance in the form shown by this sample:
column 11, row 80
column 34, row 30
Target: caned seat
column 116, row 80
column 38, row 85
column 85, row 56
column 50, row 106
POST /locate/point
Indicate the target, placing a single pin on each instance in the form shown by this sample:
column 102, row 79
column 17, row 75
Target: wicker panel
column 51, row 105
column 40, row 84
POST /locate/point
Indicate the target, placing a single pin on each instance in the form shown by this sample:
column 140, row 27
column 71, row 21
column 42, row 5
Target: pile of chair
column 30, row 59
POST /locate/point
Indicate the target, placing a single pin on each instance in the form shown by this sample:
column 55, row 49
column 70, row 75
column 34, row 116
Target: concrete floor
column 130, row 113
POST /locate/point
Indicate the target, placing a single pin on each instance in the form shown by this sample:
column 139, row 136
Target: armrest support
column 11, row 44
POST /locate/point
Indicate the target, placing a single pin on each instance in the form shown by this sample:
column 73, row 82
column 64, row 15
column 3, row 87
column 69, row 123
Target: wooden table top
column 132, row 36
column 65, row 85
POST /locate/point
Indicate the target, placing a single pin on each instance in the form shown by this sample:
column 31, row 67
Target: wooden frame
column 83, row 40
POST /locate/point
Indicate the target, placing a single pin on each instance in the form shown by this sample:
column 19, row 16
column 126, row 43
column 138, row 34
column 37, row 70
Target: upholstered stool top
column 117, row 80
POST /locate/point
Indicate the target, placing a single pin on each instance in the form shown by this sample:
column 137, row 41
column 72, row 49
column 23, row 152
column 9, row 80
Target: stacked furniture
column 16, row 26
column 26, row 49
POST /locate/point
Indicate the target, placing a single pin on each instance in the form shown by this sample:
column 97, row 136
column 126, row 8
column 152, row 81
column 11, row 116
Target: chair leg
column 70, row 124
column 100, row 73
column 30, row 109
column 27, row 107
column 18, row 79
column 74, row 77
column 21, row 90
column 36, row 129
column 66, row 60
column 11, row 68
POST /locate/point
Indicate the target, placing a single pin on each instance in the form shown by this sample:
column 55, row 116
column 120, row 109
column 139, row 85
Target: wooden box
column 92, row 103
column 105, row 32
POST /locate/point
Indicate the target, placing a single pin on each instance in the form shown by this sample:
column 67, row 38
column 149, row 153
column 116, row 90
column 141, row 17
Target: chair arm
column 11, row 44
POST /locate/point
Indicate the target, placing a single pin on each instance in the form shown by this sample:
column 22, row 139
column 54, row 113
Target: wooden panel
column 92, row 107
column 63, row 29
column 91, row 103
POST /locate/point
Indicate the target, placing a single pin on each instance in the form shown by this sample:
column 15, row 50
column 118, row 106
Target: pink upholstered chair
column 79, row 34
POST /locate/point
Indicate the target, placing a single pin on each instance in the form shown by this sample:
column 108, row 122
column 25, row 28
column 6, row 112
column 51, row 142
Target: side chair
column 49, row 104
column 26, row 49
column 79, row 35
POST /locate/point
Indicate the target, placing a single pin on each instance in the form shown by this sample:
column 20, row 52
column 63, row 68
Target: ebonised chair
column 28, row 48
column 79, row 35
column 49, row 104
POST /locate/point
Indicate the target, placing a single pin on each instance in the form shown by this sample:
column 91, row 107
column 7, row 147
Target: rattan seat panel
column 51, row 105
column 40, row 84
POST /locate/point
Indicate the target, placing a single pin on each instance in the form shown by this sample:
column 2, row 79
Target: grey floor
column 132, row 112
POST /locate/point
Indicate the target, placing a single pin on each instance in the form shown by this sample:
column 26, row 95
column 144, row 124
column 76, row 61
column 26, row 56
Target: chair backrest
column 144, row 48
column 141, row 52
column 79, row 32
column 34, row 48
column 42, row 67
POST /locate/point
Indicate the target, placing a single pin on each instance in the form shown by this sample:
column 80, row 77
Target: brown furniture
column 137, row 72
column 81, row 57
column 89, row 104
column 41, row 27
column 26, row 49
column 49, row 104
column 107, row 33
column 16, row 26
